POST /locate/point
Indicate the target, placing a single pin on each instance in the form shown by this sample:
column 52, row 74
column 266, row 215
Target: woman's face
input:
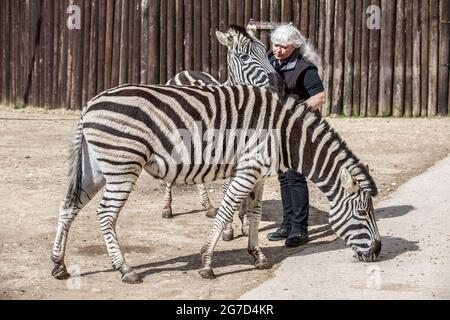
column 282, row 52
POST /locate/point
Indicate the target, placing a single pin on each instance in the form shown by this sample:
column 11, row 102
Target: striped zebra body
column 169, row 131
column 247, row 64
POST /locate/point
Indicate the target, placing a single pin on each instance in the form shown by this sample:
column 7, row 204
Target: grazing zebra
column 247, row 64
column 249, row 133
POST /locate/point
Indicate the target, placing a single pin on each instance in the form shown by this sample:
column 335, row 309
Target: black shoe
column 280, row 234
column 297, row 238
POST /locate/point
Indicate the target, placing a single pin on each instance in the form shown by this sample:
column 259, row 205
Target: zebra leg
column 238, row 190
column 167, row 208
column 243, row 217
column 204, row 200
column 67, row 213
column 254, row 209
column 228, row 233
column 112, row 203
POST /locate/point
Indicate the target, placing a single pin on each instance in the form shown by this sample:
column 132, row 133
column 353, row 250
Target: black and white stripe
column 134, row 127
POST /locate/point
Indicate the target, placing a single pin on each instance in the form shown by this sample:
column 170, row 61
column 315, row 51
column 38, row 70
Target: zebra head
column 352, row 214
column 247, row 59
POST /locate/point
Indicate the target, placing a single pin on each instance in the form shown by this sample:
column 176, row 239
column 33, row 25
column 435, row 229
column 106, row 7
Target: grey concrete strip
column 414, row 264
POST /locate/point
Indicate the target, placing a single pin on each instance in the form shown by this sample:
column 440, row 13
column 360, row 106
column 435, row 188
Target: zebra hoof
column 227, row 235
column 60, row 272
column 211, row 212
column 167, row 213
column 207, row 273
column 131, row 277
column 262, row 265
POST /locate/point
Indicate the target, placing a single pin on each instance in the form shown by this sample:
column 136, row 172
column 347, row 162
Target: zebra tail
column 76, row 170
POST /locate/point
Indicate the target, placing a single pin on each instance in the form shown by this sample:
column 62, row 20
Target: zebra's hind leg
column 254, row 209
column 74, row 202
column 244, row 218
column 114, row 198
column 204, row 200
column 167, row 208
column 228, row 233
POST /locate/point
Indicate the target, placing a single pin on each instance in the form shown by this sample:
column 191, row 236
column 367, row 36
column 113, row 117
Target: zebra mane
column 357, row 169
column 240, row 30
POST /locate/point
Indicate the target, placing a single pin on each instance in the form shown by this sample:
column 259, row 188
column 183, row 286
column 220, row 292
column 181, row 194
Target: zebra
column 131, row 128
column 247, row 64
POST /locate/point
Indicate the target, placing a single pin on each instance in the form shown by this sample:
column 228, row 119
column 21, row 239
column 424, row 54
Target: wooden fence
column 395, row 70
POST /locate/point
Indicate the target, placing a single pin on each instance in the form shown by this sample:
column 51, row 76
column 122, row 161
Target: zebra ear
column 348, row 182
column 223, row 38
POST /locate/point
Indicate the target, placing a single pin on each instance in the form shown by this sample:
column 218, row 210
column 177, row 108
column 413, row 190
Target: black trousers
column 295, row 199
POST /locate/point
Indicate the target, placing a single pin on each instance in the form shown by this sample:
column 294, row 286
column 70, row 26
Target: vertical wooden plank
column 93, row 52
column 14, row 47
column 86, row 49
column 265, row 16
column 124, row 41
column 297, row 12
column 433, row 58
column 130, row 44
column 275, row 11
column 48, row 64
column 416, row 60
column 214, row 43
column 312, row 32
column 5, row 31
column 386, row 57
column 357, row 59
column 365, row 42
column 163, row 43
column 145, row 41
column 116, row 43
column 205, row 47
column 321, row 27
column 2, row 45
column 171, row 16
column 189, row 39
column 287, row 11
column 232, row 14
column 222, row 50
column 444, row 57
column 62, row 71
column 399, row 61
column 101, row 45
column 70, row 45
column 56, row 49
column 348, row 57
column 240, row 14
column 304, row 18
column 197, row 35
column 256, row 10
column 109, row 42
column 77, row 71
column 248, row 12
column 153, row 51
column 374, row 63
column 338, row 61
column 424, row 25
column 328, row 57
column 408, row 59
column 179, row 36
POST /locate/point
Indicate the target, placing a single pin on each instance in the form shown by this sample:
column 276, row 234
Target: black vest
column 292, row 72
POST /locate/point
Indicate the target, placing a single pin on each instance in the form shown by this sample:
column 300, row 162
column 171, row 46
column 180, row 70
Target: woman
column 297, row 63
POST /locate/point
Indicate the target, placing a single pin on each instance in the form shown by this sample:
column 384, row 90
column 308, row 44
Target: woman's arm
column 316, row 101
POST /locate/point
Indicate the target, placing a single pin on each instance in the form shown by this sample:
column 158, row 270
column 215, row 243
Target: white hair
column 288, row 34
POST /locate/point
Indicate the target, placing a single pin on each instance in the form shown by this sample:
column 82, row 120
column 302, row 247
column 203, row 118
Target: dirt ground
column 34, row 145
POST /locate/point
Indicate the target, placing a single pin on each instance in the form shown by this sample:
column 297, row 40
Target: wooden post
column 424, row 25
column 265, row 16
column 365, row 42
column 153, row 52
column 171, row 25
column 222, row 50
column 91, row 76
column 124, row 42
column 15, row 53
column 101, row 14
column 399, row 61
column 444, row 57
column 312, row 32
column 304, row 18
column 116, row 43
column 287, row 11
column 416, row 60
column 180, row 36
column 338, row 61
column 137, row 42
column 214, row 42
column 86, row 47
column 374, row 63
column 109, row 43
column 349, row 57
column 5, row 31
column 77, row 71
column 433, row 58
column 197, row 35
column 240, row 15
column 408, row 59
column 321, row 30
column 163, row 44
column 206, row 39
column 188, row 34
column 62, row 71
column 248, row 11
column 232, row 7
column 56, row 49
column 328, row 57
column 357, row 59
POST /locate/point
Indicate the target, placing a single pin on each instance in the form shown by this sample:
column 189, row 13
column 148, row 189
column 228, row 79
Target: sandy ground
column 34, row 146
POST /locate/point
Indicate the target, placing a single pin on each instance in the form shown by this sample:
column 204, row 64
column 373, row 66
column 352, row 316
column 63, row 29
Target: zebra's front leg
column 205, row 202
column 237, row 190
column 244, row 218
column 228, row 233
column 113, row 201
column 254, row 209
column 167, row 208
